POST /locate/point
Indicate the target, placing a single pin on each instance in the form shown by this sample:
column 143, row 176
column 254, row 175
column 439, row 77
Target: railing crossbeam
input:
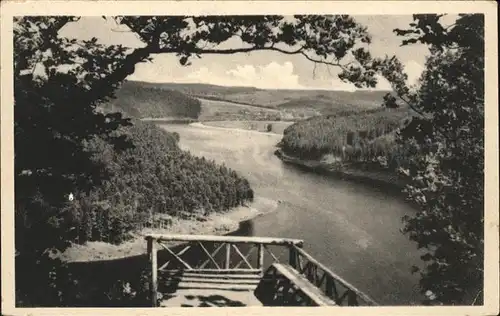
column 321, row 280
column 271, row 253
column 180, row 253
column 244, row 258
column 348, row 286
column 210, row 256
column 305, row 268
column 184, row 263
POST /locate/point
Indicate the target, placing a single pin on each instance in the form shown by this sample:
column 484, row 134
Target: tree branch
column 122, row 31
column 411, row 106
column 100, row 89
column 187, row 49
column 324, row 62
column 201, row 51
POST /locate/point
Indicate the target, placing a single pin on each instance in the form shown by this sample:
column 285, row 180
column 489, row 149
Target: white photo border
column 11, row 8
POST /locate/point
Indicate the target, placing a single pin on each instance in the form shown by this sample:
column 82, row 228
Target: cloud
column 274, row 75
column 264, row 70
column 270, row 76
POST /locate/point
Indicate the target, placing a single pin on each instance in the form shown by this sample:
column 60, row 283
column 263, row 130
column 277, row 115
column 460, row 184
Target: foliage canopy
column 446, row 167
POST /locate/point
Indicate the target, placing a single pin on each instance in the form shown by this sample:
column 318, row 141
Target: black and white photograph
column 197, row 157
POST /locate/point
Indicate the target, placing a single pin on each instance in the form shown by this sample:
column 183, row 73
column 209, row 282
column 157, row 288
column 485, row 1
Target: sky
column 267, row 69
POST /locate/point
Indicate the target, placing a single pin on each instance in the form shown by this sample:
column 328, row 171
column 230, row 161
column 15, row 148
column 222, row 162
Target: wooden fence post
column 329, row 287
column 260, row 263
column 292, row 256
column 228, row 255
column 154, row 271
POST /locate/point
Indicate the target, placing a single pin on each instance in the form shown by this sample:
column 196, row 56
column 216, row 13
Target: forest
column 152, row 179
column 357, row 136
column 143, row 100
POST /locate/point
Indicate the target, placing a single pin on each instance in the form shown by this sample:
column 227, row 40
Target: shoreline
column 214, row 124
column 214, row 224
column 202, row 125
column 169, row 120
column 379, row 179
column 219, row 125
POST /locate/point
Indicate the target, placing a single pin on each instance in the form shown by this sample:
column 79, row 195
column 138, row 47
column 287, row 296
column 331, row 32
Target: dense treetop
column 447, row 171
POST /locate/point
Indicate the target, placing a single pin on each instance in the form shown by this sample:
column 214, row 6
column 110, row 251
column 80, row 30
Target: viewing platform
column 201, row 270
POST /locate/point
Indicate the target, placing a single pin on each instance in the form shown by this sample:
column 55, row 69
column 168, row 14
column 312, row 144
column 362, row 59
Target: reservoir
column 352, row 228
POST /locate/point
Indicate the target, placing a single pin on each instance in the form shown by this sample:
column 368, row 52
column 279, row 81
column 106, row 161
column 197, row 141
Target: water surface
column 353, row 229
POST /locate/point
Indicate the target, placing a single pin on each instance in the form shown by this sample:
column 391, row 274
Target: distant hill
column 199, row 89
column 155, row 100
column 144, row 100
column 337, row 101
column 322, row 100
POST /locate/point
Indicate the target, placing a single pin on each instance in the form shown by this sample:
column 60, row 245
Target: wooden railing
column 282, row 285
column 210, row 254
column 332, row 285
column 231, row 254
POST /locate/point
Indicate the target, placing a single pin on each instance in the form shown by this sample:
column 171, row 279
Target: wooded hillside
column 144, row 100
column 154, row 180
column 361, row 136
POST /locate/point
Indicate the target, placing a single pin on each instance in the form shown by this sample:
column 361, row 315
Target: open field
column 224, row 110
column 276, row 127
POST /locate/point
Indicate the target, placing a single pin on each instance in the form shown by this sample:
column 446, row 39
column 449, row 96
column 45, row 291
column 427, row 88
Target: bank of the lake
column 346, row 171
column 217, row 223
column 169, row 120
column 263, row 126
